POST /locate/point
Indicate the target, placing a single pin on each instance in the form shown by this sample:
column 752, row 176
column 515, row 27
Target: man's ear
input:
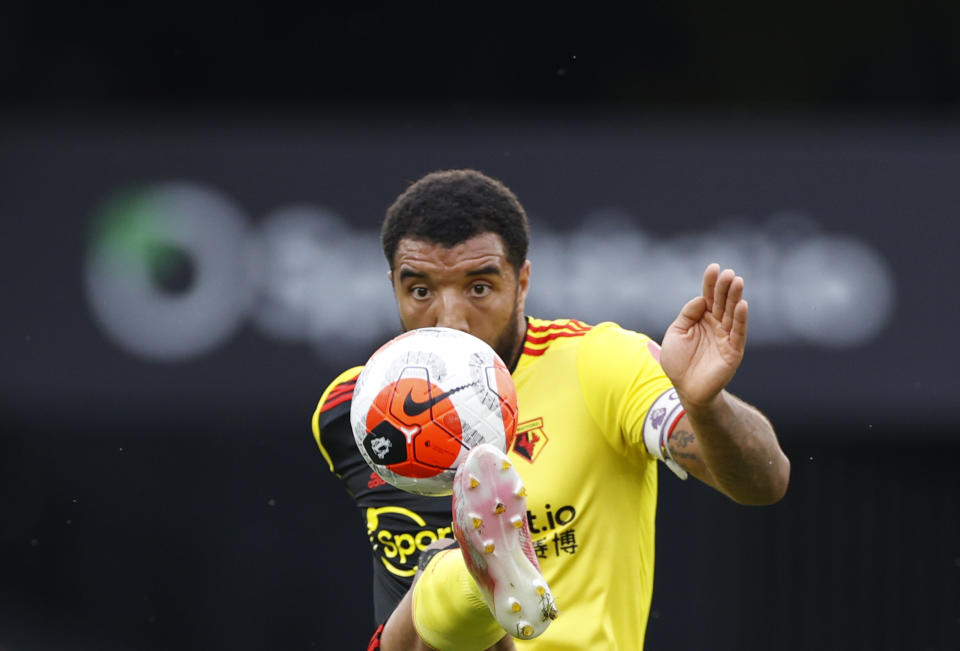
column 523, row 280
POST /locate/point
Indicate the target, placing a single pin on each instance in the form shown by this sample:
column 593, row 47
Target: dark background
column 183, row 504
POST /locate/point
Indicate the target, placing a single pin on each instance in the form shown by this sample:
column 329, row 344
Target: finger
column 692, row 312
column 733, row 299
column 738, row 333
column 720, row 293
column 710, row 282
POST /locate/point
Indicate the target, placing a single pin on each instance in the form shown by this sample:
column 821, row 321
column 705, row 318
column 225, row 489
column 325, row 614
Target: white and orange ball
column 423, row 400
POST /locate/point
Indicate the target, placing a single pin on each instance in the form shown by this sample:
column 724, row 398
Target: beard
column 510, row 342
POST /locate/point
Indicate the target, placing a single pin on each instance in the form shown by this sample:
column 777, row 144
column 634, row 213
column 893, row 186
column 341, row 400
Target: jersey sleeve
column 334, row 408
column 621, row 378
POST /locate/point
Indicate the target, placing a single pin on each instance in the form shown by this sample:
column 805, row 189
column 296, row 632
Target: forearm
column 739, row 449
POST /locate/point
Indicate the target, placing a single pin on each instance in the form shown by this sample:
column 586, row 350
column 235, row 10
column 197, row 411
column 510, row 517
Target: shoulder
column 607, row 357
column 336, row 397
column 543, row 335
column 334, row 405
column 614, row 335
column 609, row 349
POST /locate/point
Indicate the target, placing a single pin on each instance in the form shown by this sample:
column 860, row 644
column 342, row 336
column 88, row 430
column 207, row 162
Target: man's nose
column 452, row 311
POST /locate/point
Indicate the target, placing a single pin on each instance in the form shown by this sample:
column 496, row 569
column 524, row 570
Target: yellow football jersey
column 584, row 394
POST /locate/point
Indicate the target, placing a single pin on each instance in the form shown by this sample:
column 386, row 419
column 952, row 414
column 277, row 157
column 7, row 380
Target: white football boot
column 490, row 523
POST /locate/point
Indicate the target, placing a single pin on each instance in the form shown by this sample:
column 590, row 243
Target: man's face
column 470, row 286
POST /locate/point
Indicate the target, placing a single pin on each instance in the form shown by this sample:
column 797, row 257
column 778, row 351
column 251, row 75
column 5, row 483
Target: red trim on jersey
column 333, row 402
column 551, row 331
column 571, row 325
column 553, row 335
column 339, row 390
column 340, row 394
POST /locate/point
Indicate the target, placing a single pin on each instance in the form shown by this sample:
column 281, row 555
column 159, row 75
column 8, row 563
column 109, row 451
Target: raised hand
column 704, row 345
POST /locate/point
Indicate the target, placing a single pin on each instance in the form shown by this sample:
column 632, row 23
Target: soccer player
column 599, row 406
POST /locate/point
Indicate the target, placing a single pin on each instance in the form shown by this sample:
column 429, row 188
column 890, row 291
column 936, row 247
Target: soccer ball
column 423, row 400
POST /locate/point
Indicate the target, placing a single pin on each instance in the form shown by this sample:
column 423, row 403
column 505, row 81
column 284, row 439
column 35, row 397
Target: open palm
column 704, row 345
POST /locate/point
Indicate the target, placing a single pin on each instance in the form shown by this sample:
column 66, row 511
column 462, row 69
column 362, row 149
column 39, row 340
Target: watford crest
column 530, row 440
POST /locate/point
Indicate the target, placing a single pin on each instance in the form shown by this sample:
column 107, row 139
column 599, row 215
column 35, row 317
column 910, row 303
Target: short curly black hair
column 448, row 207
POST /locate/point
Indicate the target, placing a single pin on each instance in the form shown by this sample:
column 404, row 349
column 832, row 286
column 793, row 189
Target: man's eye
column 420, row 292
column 480, row 290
